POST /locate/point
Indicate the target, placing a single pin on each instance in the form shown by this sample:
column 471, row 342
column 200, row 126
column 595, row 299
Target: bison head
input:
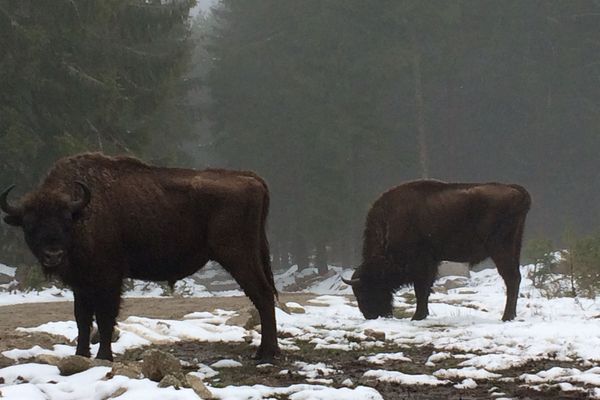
column 374, row 297
column 47, row 220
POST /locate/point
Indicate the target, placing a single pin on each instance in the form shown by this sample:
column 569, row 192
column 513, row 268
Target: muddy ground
column 345, row 362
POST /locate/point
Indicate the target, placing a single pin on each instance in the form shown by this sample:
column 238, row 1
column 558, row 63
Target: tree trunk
column 419, row 102
column 321, row 258
column 300, row 254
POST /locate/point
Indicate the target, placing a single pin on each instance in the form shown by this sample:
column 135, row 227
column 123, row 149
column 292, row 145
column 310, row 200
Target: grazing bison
column 413, row 227
column 96, row 220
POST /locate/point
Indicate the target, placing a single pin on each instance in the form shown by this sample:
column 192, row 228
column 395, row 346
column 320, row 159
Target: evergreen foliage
column 80, row 75
column 584, row 257
column 335, row 101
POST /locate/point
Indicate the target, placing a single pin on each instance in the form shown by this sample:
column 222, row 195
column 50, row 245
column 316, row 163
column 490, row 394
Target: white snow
column 6, row 270
column 468, row 372
column 382, row 358
column 464, row 325
column 314, row 370
column 404, row 379
column 296, row 392
column 226, row 363
column 466, row 384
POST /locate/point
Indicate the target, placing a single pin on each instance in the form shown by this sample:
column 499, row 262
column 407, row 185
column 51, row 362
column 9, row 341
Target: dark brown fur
column 159, row 224
column 411, row 228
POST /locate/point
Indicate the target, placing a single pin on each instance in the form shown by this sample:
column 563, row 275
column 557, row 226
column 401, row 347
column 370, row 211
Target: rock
column 454, row 283
column 247, row 317
column 101, row 363
column 448, row 268
column 4, row 279
column 283, row 307
column 118, row 393
column 130, row 370
column 198, row 386
column 95, row 336
column 295, row 308
column 73, row 365
column 157, row 364
column 377, row 335
column 253, row 319
column 47, row 359
column 226, row 363
column 5, row 361
column 170, row 380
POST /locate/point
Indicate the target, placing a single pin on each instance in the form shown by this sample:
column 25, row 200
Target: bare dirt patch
column 345, row 363
column 35, row 314
column 348, row 365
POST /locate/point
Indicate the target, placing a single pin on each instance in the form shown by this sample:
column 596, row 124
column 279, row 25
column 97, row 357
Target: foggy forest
column 333, row 103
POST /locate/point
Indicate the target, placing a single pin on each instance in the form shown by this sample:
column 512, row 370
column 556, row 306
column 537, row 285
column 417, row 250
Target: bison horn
column 7, row 208
column 78, row 205
column 351, row 282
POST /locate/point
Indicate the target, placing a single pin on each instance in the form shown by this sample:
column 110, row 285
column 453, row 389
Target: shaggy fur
column 411, row 228
column 151, row 223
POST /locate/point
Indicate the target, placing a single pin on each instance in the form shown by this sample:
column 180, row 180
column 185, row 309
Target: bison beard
column 96, row 220
column 413, row 227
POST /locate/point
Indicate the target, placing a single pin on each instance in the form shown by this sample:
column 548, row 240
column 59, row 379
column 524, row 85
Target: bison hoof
column 104, row 356
column 83, row 353
column 419, row 316
column 265, row 356
column 508, row 317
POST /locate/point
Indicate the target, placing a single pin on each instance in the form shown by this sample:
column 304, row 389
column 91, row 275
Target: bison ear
column 13, row 220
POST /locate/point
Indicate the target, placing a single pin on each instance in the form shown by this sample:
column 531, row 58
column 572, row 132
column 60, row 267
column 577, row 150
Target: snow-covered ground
column 221, row 284
column 463, row 327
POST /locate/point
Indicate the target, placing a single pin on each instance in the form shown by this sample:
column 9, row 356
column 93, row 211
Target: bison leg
column 422, row 290
column 268, row 348
column 505, row 252
column 84, row 313
column 423, row 284
column 107, row 310
column 251, row 278
column 508, row 267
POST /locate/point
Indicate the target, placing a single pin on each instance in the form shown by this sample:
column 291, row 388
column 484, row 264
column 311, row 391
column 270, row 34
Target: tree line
column 332, row 102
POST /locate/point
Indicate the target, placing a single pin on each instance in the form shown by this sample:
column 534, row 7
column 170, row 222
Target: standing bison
column 413, row 227
column 96, row 220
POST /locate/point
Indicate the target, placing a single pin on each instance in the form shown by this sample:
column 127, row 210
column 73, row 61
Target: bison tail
column 265, row 254
column 525, row 199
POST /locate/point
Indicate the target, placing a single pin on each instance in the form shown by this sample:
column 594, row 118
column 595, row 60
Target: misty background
column 332, row 102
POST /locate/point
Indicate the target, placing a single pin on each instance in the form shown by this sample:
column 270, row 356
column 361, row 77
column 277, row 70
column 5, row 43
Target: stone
column 454, row 283
column 170, row 380
column 157, row 364
column 198, row 386
column 130, row 370
column 247, row 318
column 295, row 308
column 253, row 319
column 5, row 361
column 4, row 279
column 73, row 365
column 47, row 359
column 118, row 393
column 448, row 268
column 101, row 363
column 377, row 335
column 95, row 335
